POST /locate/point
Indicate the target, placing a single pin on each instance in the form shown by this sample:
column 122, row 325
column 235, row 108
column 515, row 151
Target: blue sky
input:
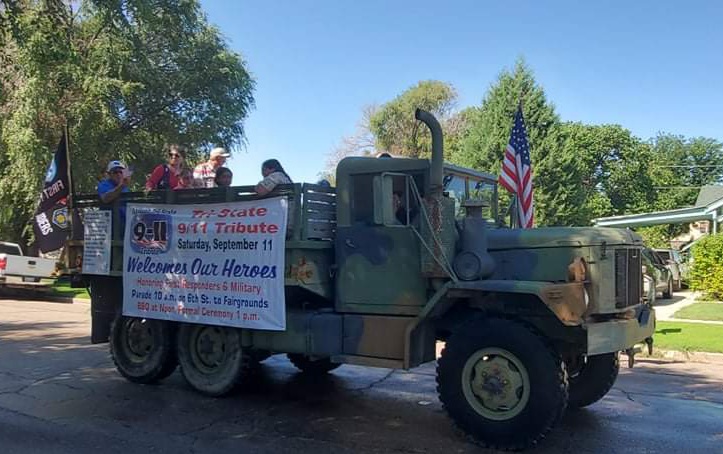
column 647, row 65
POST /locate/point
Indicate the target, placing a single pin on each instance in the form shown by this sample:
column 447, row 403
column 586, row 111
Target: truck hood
column 499, row 239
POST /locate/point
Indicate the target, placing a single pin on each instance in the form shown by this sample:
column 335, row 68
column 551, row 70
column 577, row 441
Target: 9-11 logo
column 151, row 233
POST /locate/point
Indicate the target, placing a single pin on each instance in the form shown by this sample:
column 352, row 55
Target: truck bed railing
column 315, row 221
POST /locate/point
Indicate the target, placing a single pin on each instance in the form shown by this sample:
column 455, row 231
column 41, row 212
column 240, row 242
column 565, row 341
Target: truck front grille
column 628, row 277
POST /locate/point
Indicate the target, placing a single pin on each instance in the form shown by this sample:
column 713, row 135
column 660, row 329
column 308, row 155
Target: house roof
column 710, row 200
column 708, row 195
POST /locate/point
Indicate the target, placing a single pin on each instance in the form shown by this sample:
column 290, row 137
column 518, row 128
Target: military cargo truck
column 403, row 254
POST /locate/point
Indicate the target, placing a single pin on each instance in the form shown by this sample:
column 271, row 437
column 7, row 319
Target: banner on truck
column 217, row 264
column 96, row 241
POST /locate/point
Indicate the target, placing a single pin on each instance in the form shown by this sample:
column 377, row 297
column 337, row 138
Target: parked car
column 15, row 268
column 677, row 266
column 656, row 268
column 649, row 291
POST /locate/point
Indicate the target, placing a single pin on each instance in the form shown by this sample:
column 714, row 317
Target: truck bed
column 310, row 235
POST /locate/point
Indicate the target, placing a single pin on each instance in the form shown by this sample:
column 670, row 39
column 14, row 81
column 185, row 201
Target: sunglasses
column 114, row 172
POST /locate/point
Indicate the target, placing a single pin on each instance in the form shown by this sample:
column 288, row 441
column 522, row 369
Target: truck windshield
column 465, row 184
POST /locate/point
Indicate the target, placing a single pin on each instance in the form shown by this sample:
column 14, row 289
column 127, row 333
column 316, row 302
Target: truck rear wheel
column 211, row 357
column 142, row 349
column 592, row 378
column 312, row 366
column 502, row 383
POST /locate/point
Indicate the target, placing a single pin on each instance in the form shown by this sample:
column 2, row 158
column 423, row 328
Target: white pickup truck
column 15, row 268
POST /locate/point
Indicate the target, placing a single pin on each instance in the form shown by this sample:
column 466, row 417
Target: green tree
column 706, row 274
column 489, row 125
column 129, row 76
column 487, row 133
column 393, row 125
column 612, row 166
column 681, row 166
column 656, row 236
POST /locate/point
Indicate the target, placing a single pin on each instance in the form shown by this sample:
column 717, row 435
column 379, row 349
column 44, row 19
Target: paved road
column 59, row 394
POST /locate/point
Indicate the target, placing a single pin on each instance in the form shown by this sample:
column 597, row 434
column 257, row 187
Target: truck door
column 377, row 251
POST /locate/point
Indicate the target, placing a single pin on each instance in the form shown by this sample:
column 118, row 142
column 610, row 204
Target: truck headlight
column 577, row 270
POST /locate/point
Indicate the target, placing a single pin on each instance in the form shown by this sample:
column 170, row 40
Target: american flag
column 516, row 175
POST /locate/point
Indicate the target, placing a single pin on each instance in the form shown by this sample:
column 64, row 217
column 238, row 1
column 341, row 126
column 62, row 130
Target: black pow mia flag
column 51, row 222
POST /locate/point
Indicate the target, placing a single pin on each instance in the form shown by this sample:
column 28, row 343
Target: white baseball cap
column 219, row 152
column 115, row 165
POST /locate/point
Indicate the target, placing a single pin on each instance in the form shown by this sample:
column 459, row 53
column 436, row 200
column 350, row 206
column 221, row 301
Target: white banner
column 97, row 225
column 218, row 264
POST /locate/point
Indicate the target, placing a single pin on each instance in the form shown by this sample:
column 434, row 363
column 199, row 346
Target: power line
column 686, row 166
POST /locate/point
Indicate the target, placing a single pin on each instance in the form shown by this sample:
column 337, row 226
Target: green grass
column 60, row 288
column 697, row 337
column 701, row 311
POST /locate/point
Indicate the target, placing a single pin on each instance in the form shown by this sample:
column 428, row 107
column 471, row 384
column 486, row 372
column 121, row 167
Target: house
column 703, row 217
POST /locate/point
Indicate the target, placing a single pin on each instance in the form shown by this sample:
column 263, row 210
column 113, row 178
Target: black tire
column 211, row 357
column 142, row 349
column 593, row 379
column 311, row 366
column 668, row 293
column 513, row 354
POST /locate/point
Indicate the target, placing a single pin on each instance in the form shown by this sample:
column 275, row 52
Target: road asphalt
column 60, row 394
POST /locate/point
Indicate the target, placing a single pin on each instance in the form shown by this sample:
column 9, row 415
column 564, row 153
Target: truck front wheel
column 591, row 378
column 143, row 349
column 502, row 383
column 211, row 358
column 311, row 366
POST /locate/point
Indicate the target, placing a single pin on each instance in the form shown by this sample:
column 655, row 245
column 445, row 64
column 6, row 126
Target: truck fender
column 566, row 300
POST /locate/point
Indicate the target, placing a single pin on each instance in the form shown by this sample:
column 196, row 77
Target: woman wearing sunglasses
column 166, row 176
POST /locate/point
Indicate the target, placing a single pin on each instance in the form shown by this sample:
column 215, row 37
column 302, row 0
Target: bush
column 706, row 274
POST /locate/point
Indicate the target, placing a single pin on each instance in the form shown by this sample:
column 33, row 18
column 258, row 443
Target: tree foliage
column 489, row 125
column 393, row 125
column 580, row 171
column 680, row 166
column 128, row 76
column 361, row 143
column 707, row 272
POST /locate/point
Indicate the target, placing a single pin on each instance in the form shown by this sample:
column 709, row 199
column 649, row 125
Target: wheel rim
column 138, row 343
column 208, row 348
column 495, row 383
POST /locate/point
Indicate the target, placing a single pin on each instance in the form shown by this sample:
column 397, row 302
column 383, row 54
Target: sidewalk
column 664, row 309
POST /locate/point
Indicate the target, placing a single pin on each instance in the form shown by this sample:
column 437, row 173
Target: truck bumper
column 617, row 335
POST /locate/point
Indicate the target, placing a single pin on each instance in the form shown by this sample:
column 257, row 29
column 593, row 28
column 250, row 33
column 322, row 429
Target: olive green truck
column 532, row 320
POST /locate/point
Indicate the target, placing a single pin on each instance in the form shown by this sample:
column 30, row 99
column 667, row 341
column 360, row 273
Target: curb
column 66, row 300
column 41, row 296
column 682, row 356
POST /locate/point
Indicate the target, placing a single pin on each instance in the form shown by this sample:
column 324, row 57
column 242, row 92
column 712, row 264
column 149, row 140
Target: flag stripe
column 516, row 174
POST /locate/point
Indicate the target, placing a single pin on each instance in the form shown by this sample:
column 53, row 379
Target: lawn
column 697, row 337
column 62, row 288
column 701, row 311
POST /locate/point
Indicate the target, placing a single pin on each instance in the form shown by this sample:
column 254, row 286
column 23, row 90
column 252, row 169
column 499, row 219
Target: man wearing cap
column 112, row 187
column 205, row 173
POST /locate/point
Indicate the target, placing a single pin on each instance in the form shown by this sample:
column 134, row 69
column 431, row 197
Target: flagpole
column 66, row 134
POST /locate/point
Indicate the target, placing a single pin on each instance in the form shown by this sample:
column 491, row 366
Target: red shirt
column 157, row 176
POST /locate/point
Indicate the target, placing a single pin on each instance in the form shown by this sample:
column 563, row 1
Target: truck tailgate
column 18, row 265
